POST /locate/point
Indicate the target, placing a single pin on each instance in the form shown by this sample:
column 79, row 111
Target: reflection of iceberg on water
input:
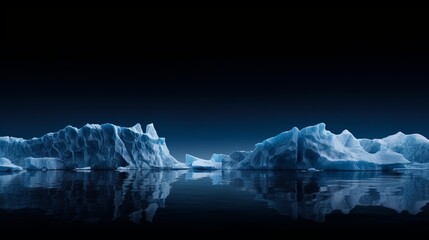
column 133, row 195
column 215, row 176
column 314, row 195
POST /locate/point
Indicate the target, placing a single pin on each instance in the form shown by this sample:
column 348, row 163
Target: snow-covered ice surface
column 96, row 146
column 316, row 148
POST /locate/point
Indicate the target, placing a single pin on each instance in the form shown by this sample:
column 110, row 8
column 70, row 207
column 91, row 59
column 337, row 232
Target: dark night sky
column 214, row 80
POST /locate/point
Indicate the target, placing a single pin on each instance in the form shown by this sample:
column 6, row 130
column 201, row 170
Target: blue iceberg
column 217, row 161
column 316, row 148
column 202, row 164
column 93, row 146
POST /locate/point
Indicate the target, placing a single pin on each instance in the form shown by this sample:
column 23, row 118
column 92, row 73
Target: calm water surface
column 209, row 201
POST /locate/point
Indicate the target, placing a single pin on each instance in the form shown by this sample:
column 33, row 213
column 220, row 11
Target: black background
column 214, row 80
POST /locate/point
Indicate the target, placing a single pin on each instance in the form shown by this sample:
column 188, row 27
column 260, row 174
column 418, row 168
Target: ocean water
column 215, row 202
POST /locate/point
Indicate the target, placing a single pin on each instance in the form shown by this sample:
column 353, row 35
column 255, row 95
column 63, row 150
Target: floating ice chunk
column 313, row 170
column 201, row 164
column 127, row 168
column 83, row 169
column 206, row 164
column 7, row 166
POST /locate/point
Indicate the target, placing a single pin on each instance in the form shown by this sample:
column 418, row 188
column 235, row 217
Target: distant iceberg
column 316, row 148
column 217, row 161
column 201, row 164
column 93, row 146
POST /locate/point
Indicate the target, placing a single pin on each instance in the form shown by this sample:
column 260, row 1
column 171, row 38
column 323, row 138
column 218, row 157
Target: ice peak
column 320, row 128
column 151, row 132
column 137, row 128
column 346, row 132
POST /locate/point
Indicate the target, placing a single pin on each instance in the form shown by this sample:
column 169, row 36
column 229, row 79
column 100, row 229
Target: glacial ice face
column 44, row 164
column 103, row 146
column 316, row 148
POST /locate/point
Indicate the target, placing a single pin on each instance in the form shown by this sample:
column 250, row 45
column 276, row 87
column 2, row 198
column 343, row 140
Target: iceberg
column 316, row 148
column 231, row 160
column 7, row 166
column 202, row 164
column 217, row 161
column 93, row 146
column 84, row 169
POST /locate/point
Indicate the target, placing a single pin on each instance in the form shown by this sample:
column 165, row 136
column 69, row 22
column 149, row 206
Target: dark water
column 247, row 201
